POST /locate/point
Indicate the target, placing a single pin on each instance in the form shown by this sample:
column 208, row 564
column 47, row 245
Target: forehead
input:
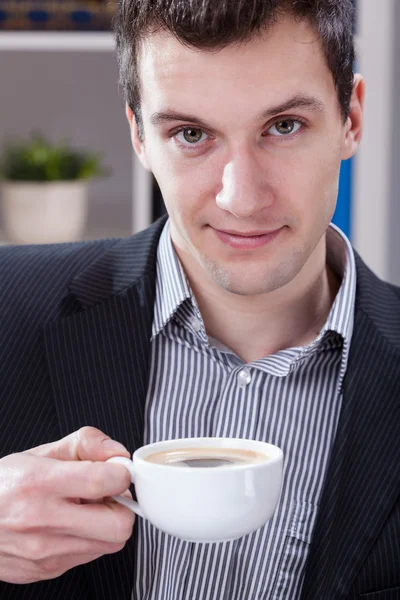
column 284, row 61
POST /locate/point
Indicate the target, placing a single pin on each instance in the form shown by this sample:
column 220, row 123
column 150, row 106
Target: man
column 244, row 315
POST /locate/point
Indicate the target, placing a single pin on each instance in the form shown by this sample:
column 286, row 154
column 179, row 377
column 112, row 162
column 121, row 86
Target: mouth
column 247, row 240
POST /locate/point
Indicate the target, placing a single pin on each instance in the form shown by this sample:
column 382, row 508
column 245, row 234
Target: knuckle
column 115, row 547
column 35, row 548
column 96, row 480
column 18, row 521
column 124, row 522
column 86, row 431
column 125, row 479
column 25, row 516
column 51, row 566
column 29, row 482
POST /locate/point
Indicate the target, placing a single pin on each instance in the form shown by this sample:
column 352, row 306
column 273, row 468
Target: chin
column 249, row 282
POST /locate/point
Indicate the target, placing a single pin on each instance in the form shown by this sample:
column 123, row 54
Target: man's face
column 246, row 145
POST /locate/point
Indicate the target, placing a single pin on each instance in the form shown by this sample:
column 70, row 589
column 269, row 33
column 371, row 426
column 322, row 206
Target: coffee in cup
column 206, row 457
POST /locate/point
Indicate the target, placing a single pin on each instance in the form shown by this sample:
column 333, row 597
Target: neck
column 257, row 326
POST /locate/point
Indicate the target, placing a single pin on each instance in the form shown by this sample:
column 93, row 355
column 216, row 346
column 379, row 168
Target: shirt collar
column 173, row 289
column 172, row 286
column 340, row 258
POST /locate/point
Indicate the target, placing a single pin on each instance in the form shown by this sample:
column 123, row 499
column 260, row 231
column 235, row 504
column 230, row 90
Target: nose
column 244, row 190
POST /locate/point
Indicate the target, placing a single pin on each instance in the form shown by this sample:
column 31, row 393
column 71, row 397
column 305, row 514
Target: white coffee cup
column 205, row 504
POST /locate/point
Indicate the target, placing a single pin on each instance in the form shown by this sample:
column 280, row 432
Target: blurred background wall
column 69, row 89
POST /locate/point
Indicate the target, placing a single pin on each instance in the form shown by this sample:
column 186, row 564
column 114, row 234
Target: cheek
column 326, row 184
column 310, row 183
column 187, row 188
column 184, row 196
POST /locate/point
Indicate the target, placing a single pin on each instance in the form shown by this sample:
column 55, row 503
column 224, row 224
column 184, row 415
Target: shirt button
column 196, row 324
column 244, row 377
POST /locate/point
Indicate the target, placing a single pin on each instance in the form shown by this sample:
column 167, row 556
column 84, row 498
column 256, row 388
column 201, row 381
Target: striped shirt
column 198, row 387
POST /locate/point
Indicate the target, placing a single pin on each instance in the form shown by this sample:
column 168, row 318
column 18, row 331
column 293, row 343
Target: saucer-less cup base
column 206, row 504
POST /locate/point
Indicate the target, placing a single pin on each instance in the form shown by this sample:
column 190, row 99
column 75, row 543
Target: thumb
column 88, row 443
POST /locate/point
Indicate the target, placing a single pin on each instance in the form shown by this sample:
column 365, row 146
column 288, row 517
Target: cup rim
column 276, row 455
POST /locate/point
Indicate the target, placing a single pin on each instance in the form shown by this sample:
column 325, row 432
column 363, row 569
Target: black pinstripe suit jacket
column 75, row 325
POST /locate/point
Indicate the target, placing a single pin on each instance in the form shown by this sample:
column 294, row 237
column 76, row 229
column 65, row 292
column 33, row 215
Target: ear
column 137, row 143
column 354, row 122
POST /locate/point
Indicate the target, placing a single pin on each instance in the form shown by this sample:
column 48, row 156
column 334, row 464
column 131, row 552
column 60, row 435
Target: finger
column 14, row 570
column 88, row 443
column 84, row 479
column 41, row 547
column 51, row 568
column 109, row 522
column 24, row 571
column 127, row 495
column 106, row 499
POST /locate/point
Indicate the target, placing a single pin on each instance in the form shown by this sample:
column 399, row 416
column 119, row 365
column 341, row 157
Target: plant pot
column 43, row 213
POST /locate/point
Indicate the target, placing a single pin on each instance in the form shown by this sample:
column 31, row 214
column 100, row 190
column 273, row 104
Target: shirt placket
column 233, row 405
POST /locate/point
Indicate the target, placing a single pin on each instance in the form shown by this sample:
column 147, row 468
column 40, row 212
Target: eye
column 285, row 127
column 190, row 136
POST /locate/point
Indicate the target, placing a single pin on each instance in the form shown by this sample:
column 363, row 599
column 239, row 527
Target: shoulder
column 57, row 264
column 371, row 287
column 46, row 265
column 39, row 284
column 34, row 281
column 379, row 301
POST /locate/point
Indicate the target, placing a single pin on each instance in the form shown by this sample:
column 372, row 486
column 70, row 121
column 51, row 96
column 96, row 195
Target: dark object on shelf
column 59, row 15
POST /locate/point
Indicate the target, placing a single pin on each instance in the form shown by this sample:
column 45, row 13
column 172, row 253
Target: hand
column 55, row 506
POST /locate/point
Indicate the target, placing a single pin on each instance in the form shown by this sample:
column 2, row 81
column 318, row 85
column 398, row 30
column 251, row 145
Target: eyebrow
column 309, row 103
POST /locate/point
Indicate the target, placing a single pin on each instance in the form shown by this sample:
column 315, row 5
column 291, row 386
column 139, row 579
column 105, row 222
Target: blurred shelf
column 57, row 41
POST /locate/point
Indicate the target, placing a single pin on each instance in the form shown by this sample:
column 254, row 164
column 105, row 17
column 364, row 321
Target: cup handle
column 128, row 464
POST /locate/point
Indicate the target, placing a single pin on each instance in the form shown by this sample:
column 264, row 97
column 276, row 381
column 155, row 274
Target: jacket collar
column 122, row 266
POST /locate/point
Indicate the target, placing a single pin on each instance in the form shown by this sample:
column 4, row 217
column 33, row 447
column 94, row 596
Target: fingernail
column 114, row 446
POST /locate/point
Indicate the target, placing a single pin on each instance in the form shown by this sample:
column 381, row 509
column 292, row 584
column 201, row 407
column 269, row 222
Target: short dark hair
column 211, row 25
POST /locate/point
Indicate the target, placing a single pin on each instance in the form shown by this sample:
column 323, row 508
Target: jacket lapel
column 361, row 484
column 98, row 363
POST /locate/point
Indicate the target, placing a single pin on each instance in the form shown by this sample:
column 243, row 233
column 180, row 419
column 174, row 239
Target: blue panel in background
column 342, row 216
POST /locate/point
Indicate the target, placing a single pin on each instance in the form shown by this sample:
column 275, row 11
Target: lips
column 244, row 233
column 247, row 240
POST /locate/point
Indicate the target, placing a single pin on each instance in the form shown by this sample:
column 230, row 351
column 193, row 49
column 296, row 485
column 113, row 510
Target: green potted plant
column 44, row 190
